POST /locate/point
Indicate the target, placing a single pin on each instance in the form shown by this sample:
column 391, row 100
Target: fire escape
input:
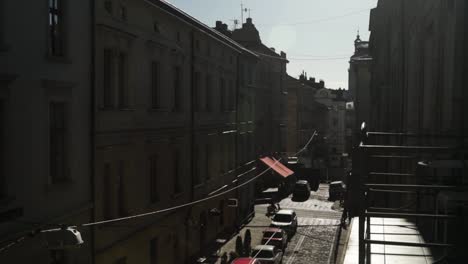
column 403, row 181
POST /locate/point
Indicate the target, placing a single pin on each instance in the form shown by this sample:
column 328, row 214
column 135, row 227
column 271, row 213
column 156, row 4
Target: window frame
column 155, row 84
column 153, row 179
column 64, row 132
column 60, row 11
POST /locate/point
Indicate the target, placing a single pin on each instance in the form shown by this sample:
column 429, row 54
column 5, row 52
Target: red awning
column 277, row 166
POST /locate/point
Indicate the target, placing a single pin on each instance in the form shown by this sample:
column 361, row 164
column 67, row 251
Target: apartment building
column 172, row 126
column 45, row 124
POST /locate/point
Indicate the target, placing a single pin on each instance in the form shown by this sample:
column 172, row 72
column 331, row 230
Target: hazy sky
column 317, row 35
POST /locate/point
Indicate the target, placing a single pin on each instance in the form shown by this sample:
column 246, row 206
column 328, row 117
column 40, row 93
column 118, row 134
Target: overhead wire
column 317, row 20
column 120, row 219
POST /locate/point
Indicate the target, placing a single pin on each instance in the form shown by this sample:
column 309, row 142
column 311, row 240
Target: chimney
column 283, row 54
column 219, row 24
column 322, row 84
column 249, row 21
column 225, row 27
column 273, row 49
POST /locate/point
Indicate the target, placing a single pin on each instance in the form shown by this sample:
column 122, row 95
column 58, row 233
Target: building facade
column 173, row 125
column 359, row 82
column 271, row 93
column 45, row 124
column 417, row 73
column 305, row 116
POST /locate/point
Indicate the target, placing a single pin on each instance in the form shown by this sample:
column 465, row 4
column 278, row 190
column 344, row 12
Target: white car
column 267, row 254
column 286, row 220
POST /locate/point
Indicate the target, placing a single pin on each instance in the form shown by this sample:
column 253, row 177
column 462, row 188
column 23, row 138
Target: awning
column 277, row 166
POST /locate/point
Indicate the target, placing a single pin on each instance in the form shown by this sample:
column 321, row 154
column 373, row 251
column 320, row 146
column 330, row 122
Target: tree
column 239, row 247
column 247, row 242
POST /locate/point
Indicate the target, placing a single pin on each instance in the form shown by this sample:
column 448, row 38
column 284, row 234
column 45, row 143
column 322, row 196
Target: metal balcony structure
column 419, row 178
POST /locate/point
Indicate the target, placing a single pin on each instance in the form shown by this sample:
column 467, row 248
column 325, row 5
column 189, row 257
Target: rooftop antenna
column 242, row 12
column 235, row 23
column 248, row 11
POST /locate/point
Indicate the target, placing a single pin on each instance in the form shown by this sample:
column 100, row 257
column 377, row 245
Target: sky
column 317, row 35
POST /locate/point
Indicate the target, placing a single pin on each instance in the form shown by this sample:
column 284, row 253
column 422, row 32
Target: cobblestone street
column 315, row 237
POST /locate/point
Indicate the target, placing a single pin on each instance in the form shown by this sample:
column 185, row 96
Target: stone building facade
column 174, row 124
column 418, row 73
column 359, row 82
column 45, row 124
column 270, row 93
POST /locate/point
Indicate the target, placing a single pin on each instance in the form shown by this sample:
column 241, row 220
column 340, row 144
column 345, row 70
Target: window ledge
column 125, row 109
column 198, row 186
column 4, row 47
column 6, row 200
column 59, row 186
column 176, row 195
column 157, row 110
column 58, row 59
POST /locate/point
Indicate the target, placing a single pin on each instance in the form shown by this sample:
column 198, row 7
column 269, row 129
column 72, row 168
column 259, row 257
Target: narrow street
column 315, row 238
column 318, row 224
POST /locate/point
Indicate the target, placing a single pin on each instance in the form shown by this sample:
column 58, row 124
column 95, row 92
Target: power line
column 193, row 202
column 121, row 219
column 319, row 59
column 318, row 20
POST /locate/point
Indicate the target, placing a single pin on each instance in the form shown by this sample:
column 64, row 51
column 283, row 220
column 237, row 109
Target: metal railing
column 387, row 182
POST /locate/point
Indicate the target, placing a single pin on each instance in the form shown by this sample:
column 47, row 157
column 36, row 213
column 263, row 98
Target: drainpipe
column 92, row 123
column 236, row 145
column 192, row 139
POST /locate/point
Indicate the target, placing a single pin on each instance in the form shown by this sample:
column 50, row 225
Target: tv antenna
column 235, row 22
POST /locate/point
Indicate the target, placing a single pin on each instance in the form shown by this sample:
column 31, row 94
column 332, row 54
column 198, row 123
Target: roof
column 244, row 261
column 285, row 211
column 273, row 229
column 264, row 247
column 277, row 166
column 302, row 182
column 198, row 24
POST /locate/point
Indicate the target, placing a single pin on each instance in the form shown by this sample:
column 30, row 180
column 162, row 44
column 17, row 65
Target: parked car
column 301, row 191
column 336, row 190
column 285, row 219
column 268, row 254
column 246, row 261
column 276, row 237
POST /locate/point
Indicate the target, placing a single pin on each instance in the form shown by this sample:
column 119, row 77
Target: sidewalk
column 259, row 220
column 386, row 229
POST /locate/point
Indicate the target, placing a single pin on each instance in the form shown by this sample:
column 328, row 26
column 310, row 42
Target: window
column 58, row 256
column 177, row 88
column 56, row 28
column 208, row 101
column 2, row 149
column 108, row 6
column 121, row 189
column 178, row 36
column 122, row 80
column 156, row 27
column 222, row 88
column 107, row 79
column 153, row 173
column 209, row 164
column 199, row 165
column 122, row 260
column 197, row 90
column 58, row 166
column 123, row 12
column 155, row 84
column 154, row 251
column 106, row 184
column 177, row 173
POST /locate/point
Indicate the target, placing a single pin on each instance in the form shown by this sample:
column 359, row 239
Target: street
column 314, row 240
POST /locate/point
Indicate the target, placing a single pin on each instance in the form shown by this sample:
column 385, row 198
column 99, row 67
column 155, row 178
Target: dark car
column 336, row 190
column 301, row 191
column 276, row 237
